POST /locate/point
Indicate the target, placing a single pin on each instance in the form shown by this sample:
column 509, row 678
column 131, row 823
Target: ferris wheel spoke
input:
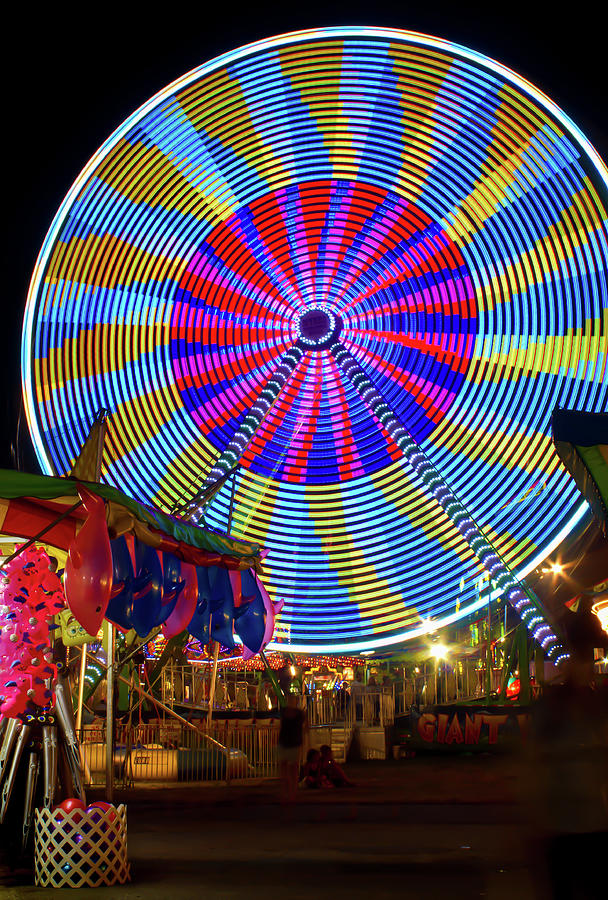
column 520, row 597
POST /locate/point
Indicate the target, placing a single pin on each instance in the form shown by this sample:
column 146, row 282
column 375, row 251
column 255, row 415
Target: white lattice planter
column 81, row 849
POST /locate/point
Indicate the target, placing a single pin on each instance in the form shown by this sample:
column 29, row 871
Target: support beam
column 507, row 669
column 110, row 717
column 274, row 681
column 519, row 595
column 216, row 653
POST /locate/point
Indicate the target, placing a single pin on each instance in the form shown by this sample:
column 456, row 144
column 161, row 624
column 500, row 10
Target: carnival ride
column 343, row 275
column 128, row 564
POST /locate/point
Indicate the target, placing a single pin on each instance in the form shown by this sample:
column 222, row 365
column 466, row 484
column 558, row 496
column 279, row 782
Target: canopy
column 30, row 503
column 581, row 441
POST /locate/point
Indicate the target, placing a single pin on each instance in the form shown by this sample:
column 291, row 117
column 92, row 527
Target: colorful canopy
column 28, row 503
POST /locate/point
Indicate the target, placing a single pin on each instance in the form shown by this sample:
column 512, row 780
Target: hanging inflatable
column 88, row 570
column 134, row 566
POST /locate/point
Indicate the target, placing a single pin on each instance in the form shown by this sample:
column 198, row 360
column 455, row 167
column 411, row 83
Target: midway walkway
column 426, row 827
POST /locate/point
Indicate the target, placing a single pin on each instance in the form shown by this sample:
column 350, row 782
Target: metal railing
column 448, row 685
column 226, row 752
column 326, row 708
column 190, row 686
column 367, row 707
column 378, row 708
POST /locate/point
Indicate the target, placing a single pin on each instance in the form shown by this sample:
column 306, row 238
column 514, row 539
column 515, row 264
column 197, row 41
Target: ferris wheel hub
column 318, row 327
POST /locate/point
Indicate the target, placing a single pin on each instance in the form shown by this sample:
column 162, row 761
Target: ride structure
column 127, row 566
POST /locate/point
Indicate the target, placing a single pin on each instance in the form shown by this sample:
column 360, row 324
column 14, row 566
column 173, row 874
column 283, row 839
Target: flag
column 87, row 465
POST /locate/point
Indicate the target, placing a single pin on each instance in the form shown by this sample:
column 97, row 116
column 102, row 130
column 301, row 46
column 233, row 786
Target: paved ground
column 424, row 828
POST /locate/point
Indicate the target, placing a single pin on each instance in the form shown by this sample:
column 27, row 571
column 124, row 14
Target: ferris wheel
column 355, row 269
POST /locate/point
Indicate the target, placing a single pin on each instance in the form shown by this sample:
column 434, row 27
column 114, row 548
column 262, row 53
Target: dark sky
column 71, row 77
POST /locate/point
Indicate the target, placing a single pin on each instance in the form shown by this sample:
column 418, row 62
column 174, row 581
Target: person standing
column 291, row 742
column 357, row 689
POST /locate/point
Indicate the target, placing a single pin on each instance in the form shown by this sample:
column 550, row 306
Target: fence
column 228, row 751
column 231, row 749
column 364, row 708
column 191, row 686
column 463, row 681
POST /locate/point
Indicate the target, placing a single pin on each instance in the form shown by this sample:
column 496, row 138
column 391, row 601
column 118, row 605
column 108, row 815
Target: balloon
column 250, row 624
column 120, row 606
column 147, row 589
column 88, row 569
column 103, row 807
column 186, row 603
column 173, row 583
column 70, row 805
column 198, row 626
column 235, row 583
column 249, row 586
column 272, row 610
column 222, row 606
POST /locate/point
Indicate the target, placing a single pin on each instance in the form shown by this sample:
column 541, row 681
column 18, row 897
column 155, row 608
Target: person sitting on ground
column 331, row 771
column 311, row 770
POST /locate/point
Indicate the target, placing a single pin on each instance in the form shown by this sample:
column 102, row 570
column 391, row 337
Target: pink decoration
column 88, row 570
column 30, row 594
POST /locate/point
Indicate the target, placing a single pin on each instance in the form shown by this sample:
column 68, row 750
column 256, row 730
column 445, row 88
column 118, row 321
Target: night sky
column 71, row 77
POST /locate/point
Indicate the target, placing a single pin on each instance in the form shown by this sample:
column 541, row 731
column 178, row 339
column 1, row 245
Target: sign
column 469, row 727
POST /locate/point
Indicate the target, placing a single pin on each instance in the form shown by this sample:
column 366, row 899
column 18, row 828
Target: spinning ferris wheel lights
column 313, row 217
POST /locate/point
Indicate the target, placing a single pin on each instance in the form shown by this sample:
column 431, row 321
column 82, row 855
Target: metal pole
column 110, row 717
column 524, row 666
column 102, row 415
column 489, row 647
column 83, row 668
column 216, row 651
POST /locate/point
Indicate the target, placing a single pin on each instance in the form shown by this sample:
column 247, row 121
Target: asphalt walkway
column 422, row 828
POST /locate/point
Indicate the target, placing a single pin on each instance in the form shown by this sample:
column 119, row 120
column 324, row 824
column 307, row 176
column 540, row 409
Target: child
column 331, row 771
column 311, row 770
